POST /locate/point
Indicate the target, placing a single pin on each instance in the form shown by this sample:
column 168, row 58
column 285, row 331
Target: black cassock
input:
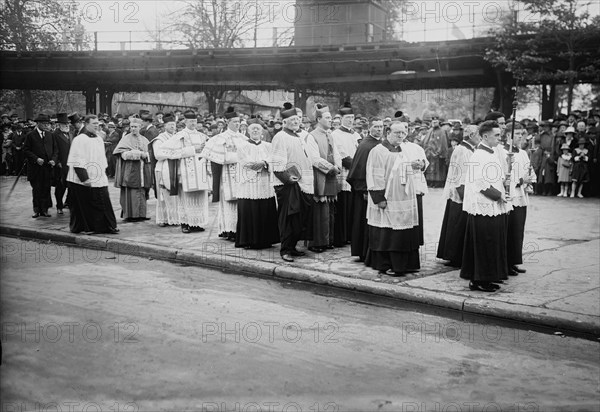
column 357, row 178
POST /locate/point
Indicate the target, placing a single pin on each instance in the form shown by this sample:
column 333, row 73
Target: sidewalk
column 561, row 288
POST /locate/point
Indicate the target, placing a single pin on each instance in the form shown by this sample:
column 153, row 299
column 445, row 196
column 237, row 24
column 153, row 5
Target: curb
column 545, row 317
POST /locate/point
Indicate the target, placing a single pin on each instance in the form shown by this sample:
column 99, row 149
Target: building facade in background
column 339, row 22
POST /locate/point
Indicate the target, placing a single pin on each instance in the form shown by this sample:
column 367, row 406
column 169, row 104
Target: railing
column 311, row 35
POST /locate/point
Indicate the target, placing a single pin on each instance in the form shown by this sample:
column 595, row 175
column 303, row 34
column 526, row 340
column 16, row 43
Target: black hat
column 255, row 121
column 169, row 117
column 143, row 112
column 346, row 109
column 399, row 113
column 230, row 113
column 147, row 117
column 288, row 111
column 4, row 115
column 493, row 116
column 189, row 114
column 42, row 118
column 321, row 109
column 74, row 118
column 62, row 118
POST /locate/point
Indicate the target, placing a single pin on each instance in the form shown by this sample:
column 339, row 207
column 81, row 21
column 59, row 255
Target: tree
column 555, row 48
column 206, row 24
column 29, row 25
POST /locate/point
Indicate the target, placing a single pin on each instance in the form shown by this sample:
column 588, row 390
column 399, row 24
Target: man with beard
column 326, row 169
column 42, row 154
column 346, row 140
column 452, row 235
column 357, row 178
column 89, row 202
column 62, row 139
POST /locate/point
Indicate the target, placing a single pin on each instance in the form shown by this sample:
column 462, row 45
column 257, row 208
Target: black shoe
column 297, row 253
column 185, row 229
column 483, row 287
column 113, row 231
column 316, row 249
column 518, row 269
column 45, row 214
column 287, row 257
column 452, row 264
column 59, row 211
column 329, row 247
column 500, row 282
column 512, row 273
column 35, row 215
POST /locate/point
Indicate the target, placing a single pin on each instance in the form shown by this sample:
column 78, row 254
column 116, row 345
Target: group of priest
column 328, row 186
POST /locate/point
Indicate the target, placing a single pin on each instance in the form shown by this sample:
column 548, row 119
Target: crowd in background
column 563, row 151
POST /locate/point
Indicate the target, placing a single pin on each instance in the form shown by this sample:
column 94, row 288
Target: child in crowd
column 563, row 170
column 548, row 173
column 580, row 174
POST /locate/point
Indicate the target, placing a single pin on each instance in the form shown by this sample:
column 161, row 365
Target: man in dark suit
column 148, row 130
column 62, row 140
column 41, row 153
column 18, row 141
column 77, row 124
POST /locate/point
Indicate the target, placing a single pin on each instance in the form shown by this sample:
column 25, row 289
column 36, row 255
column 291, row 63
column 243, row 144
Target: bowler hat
column 42, row 118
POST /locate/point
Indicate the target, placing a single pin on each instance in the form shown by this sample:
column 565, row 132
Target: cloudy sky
column 118, row 22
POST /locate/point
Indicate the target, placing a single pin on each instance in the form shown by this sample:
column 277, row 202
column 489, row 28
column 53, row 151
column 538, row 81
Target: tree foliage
column 27, row 25
column 547, row 41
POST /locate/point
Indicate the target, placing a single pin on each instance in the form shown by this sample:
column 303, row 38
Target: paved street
column 562, row 242
column 84, row 329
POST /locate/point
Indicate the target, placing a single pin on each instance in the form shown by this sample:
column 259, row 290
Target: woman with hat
column 256, row 207
column 563, row 170
column 580, row 174
column 569, row 138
